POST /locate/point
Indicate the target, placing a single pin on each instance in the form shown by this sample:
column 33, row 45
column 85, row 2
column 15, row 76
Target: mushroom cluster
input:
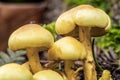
column 84, row 21
column 33, row 38
column 81, row 22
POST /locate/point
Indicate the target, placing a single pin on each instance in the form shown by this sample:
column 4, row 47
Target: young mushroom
column 33, row 38
column 47, row 75
column 14, row 71
column 67, row 49
column 84, row 21
column 106, row 75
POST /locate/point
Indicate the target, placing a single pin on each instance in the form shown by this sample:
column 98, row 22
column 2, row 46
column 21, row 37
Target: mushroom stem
column 89, row 66
column 68, row 69
column 34, row 60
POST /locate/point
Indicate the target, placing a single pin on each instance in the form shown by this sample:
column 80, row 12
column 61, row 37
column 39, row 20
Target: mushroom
column 67, row 49
column 26, row 65
column 106, row 75
column 14, row 71
column 47, row 75
column 84, row 21
column 33, row 38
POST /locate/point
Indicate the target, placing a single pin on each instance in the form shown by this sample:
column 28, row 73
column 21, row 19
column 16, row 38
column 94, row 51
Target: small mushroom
column 33, row 38
column 67, row 49
column 84, row 21
column 47, row 75
column 14, row 71
column 106, row 75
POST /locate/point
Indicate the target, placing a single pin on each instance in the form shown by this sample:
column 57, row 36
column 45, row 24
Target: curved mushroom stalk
column 53, row 65
column 71, row 74
column 34, row 60
column 63, row 75
column 89, row 66
column 69, row 69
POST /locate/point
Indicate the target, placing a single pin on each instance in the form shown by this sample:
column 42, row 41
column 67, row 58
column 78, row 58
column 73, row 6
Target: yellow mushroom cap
column 13, row 71
column 64, row 23
column 30, row 35
column 67, row 48
column 47, row 75
column 106, row 75
column 84, row 16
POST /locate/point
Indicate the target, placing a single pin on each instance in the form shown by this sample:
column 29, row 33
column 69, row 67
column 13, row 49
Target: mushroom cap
column 47, row 75
column 13, row 71
column 83, row 16
column 106, row 75
column 67, row 48
column 30, row 35
column 64, row 23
